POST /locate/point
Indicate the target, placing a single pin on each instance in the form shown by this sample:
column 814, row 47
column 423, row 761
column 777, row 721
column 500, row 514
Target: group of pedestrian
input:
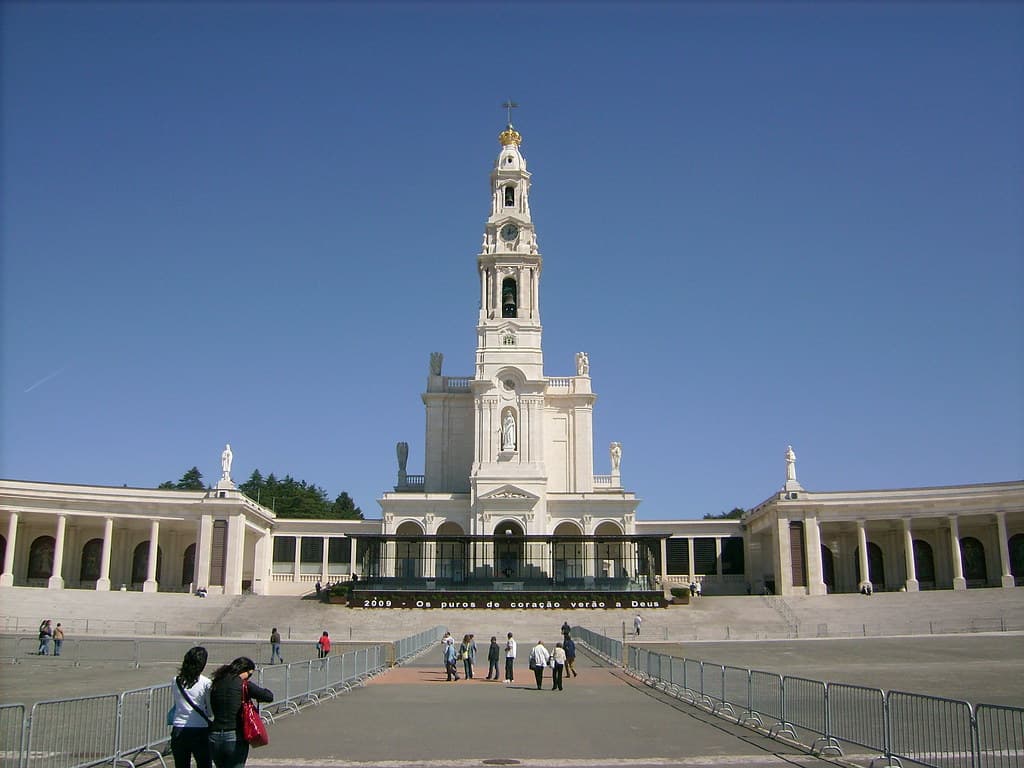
column 49, row 633
column 696, row 589
column 206, row 721
column 561, row 660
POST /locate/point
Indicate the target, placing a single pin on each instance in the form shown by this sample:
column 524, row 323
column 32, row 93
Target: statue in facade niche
column 582, row 364
column 402, row 449
column 615, row 449
column 508, row 432
column 436, row 359
column 790, row 464
column 225, row 461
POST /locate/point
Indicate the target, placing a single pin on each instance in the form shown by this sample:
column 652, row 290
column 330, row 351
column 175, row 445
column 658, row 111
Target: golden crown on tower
column 510, row 136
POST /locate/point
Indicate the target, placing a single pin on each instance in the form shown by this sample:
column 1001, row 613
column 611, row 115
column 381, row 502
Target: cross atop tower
column 509, row 105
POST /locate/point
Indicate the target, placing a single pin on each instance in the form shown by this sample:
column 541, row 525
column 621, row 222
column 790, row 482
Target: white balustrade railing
column 457, row 383
column 605, row 480
column 560, row 383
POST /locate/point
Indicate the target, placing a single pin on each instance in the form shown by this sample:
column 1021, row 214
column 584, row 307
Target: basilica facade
column 509, row 498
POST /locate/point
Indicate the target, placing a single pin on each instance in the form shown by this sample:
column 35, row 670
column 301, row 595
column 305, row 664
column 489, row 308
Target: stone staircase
column 84, row 612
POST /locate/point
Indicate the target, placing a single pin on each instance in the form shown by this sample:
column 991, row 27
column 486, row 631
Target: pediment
column 509, row 493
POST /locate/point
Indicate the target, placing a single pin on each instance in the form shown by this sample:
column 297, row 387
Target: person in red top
column 323, row 645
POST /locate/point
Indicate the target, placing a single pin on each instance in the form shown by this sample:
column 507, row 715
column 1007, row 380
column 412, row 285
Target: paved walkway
column 412, row 716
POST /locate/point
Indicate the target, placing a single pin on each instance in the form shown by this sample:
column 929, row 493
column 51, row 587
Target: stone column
column 783, row 557
column 103, row 582
column 959, row 582
column 261, row 567
column 908, row 552
column 56, row 579
column 234, row 562
column 718, row 556
column 664, row 560
column 352, row 557
column 815, row 568
column 296, row 577
column 911, row 566
column 1006, row 579
column 7, row 577
column 150, row 585
column 324, row 560
column 204, row 551
column 864, row 573
column 689, row 555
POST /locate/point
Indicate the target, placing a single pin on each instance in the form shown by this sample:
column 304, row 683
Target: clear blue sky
column 766, row 223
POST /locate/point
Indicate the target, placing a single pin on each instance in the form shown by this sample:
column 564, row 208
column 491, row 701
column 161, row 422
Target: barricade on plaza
column 130, row 728
column 895, row 727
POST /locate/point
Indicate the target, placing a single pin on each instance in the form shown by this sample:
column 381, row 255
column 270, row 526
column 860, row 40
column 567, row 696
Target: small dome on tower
column 510, row 136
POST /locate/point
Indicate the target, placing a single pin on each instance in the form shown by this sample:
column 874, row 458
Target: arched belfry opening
column 509, row 297
column 510, row 195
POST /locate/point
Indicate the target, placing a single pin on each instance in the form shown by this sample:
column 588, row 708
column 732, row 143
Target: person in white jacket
column 539, row 658
column 510, row 658
column 557, row 667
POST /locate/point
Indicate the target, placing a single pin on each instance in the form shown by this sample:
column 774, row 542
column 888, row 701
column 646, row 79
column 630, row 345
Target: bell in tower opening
column 508, row 297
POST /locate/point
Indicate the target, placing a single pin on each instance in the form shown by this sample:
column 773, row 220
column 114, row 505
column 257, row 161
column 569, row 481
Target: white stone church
column 509, row 499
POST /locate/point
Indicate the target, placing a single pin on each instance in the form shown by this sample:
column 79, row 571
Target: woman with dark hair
column 190, row 731
column 228, row 746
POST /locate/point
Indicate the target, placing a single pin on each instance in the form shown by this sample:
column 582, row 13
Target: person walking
column 323, row 645
column 275, row 646
column 557, row 667
column 566, row 629
column 45, row 635
column 637, row 620
column 570, row 655
column 228, row 746
column 58, row 639
column 467, row 652
column 190, row 722
column 493, row 654
column 450, row 659
column 539, row 658
column 510, row 659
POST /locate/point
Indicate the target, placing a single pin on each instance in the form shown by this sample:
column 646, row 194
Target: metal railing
column 895, row 727
column 130, row 728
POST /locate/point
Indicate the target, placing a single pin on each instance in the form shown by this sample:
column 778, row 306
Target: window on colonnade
column 92, row 555
column 924, row 563
column 568, row 555
column 140, row 562
column 972, row 552
column 1017, row 556
column 677, row 556
column 732, row 556
column 409, row 554
column 188, row 565
column 311, row 554
column 40, row 557
column 284, row 554
column 451, row 555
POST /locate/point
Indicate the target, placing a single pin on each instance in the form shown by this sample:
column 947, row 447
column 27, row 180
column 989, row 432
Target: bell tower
column 508, row 385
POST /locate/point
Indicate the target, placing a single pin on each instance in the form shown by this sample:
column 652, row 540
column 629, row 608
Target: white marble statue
column 225, row 461
column 615, row 449
column 436, row 360
column 582, row 364
column 403, row 456
column 790, row 464
column 508, row 432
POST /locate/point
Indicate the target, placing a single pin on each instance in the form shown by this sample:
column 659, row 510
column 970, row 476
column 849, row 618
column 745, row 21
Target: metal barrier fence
column 131, row 728
column 138, row 651
column 894, row 727
column 12, row 735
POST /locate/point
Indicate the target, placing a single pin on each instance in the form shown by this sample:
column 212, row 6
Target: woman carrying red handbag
column 232, row 688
